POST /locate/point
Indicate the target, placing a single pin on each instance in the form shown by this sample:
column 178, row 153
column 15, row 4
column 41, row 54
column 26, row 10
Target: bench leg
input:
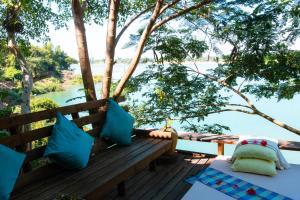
column 121, row 189
column 152, row 166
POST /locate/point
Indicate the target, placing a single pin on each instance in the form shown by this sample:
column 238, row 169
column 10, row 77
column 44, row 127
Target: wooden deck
column 166, row 182
column 232, row 139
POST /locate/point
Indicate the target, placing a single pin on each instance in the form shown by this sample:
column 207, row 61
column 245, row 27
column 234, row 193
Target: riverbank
column 70, row 78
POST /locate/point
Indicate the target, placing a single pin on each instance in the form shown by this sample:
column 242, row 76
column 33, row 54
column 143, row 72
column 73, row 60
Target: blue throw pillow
column 10, row 165
column 68, row 145
column 118, row 124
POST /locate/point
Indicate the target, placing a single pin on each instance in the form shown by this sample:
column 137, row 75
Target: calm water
column 287, row 111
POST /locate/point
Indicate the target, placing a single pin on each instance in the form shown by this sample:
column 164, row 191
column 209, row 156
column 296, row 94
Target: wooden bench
column 109, row 166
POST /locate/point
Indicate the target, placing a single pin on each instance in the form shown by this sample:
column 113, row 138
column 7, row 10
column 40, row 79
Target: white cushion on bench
column 286, row 182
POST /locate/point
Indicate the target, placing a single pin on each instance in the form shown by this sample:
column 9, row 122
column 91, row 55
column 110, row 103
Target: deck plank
column 167, row 182
column 69, row 182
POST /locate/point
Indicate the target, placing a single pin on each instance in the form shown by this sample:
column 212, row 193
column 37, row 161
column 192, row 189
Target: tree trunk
column 110, row 47
column 27, row 84
column 27, row 81
column 83, row 53
column 139, row 49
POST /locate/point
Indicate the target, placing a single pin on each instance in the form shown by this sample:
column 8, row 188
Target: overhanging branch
column 125, row 27
column 180, row 13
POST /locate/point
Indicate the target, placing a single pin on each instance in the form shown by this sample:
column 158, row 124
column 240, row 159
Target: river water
column 287, row 111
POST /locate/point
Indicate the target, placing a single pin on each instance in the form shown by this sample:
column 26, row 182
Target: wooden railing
column 221, row 140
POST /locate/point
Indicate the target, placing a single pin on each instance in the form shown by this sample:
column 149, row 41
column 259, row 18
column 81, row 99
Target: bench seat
column 105, row 171
column 109, row 166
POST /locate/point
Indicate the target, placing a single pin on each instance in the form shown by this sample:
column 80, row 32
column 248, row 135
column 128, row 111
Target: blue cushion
column 68, row 145
column 118, row 124
column 10, row 165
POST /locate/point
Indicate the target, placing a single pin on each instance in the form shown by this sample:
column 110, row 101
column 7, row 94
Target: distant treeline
column 151, row 60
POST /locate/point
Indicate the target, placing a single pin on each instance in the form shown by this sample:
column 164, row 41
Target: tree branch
column 251, row 106
column 221, row 82
column 125, row 27
column 240, row 105
column 139, row 50
column 180, row 13
column 213, row 112
column 239, row 89
column 168, row 6
column 232, row 110
column 110, row 47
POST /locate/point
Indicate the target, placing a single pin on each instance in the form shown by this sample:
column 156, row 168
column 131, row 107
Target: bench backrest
column 19, row 139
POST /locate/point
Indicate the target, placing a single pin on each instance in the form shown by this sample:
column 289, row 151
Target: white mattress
column 286, row 182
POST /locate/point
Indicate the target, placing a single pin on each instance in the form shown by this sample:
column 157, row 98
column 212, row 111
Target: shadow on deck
column 166, row 182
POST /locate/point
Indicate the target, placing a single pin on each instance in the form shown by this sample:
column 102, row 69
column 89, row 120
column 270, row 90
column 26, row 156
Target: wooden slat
column 233, row 139
column 37, row 175
column 289, row 145
column 53, row 170
column 95, row 132
column 47, row 114
column 160, row 181
column 23, row 138
column 38, row 152
column 182, row 187
column 168, row 183
column 164, row 182
column 94, row 118
column 139, row 162
column 76, row 116
column 34, row 154
column 105, row 169
column 103, row 163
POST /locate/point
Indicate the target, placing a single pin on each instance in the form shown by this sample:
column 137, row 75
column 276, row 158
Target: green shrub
column 40, row 104
column 77, row 79
column 47, row 85
column 3, row 133
column 11, row 73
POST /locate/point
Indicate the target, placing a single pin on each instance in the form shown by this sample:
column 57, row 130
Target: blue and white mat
column 234, row 187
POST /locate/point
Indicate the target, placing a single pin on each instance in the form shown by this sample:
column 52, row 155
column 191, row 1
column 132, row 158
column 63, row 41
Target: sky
column 96, row 35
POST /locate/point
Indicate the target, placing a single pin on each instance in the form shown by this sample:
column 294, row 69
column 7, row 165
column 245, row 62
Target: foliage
column 31, row 19
column 260, row 63
column 47, row 85
column 40, row 104
column 12, row 96
column 77, row 79
column 3, row 133
column 11, row 74
column 8, row 98
column 174, row 92
column 5, row 112
column 260, row 54
column 46, row 64
column 48, row 61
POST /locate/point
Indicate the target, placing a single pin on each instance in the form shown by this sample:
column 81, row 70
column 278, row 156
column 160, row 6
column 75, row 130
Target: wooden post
column 22, row 148
column 152, row 166
column 220, row 148
column 76, row 116
column 122, row 189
